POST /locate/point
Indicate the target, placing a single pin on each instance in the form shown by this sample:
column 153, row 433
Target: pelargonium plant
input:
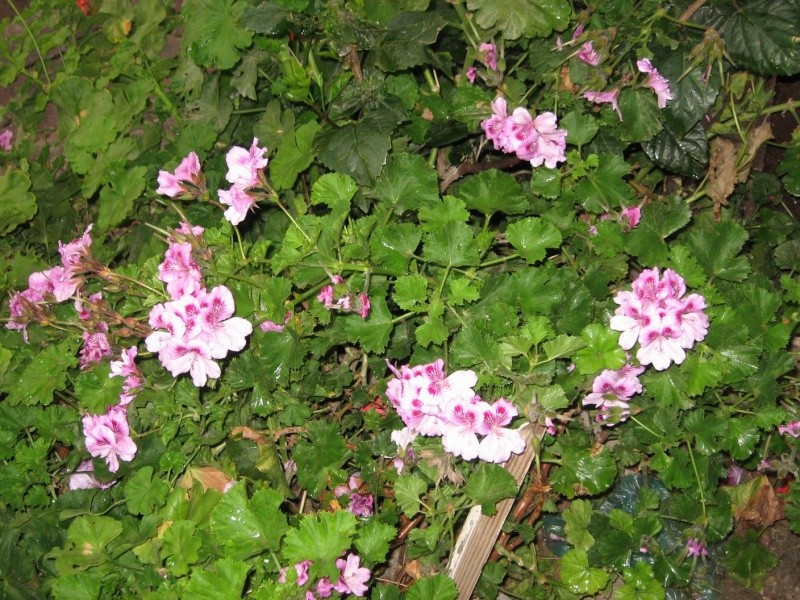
column 349, row 281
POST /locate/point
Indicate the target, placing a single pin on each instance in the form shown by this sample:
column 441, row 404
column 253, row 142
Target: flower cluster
column 56, row 284
column 197, row 325
column 432, row 403
column 5, row 139
column 338, row 296
column 108, row 436
column 488, row 54
column 352, row 578
column 361, row 505
column 658, row 316
column 792, row 428
column 611, row 391
column 244, row 172
column 537, row 140
column 186, row 182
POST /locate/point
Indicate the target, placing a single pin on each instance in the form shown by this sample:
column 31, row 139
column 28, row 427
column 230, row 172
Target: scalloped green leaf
column 517, row 18
column 212, row 33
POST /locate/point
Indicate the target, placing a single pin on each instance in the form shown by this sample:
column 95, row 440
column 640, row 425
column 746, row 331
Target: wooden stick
column 479, row 532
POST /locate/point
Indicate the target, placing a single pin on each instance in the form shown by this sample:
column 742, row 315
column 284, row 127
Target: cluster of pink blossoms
column 488, row 54
column 5, row 139
column 658, row 316
column 792, row 428
column 108, row 436
column 352, row 578
column 537, row 140
column 244, row 173
column 56, row 284
column 196, row 326
column 361, row 505
column 431, row 403
column 338, row 296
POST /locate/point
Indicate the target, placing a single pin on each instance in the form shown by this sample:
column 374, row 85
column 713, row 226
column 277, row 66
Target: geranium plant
column 286, row 279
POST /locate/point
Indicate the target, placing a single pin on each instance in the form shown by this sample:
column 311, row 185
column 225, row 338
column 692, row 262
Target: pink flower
column 495, row 126
column 193, row 357
column 632, row 214
column 324, row 588
column 301, row 569
column 83, row 478
column 239, row 201
column 489, row 52
column 792, row 428
column 126, row 367
column 363, row 312
column 588, row 54
column 655, row 81
column 57, row 281
column 72, row 252
column 610, row 97
column 537, row 140
column 461, row 421
column 268, row 325
column 219, row 328
column 659, row 343
column 472, row 73
column 499, row 442
column 611, row 391
column 696, row 548
column 353, row 577
column 108, row 436
column 180, row 271
column 188, row 171
column 5, row 140
column 244, row 165
column 95, row 347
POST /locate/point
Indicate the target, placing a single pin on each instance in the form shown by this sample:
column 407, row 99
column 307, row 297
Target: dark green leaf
column 293, row 156
column 687, row 155
column 581, row 128
column 584, row 472
column 223, row 580
column 321, row 538
column 359, row 150
column 145, row 491
column 17, row 203
column 601, row 350
column 493, row 191
column 96, row 391
column 659, row 220
column 407, row 183
column 578, row 576
column 716, row 246
column 603, row 188
column 488, row 484
column 212, row 33
column 408, row 490
column 516, row 18
column 642, row 119
column 246, row 527
column 373, row 332
column 531, row 237
column 373, row 541
column 453, row 245
column 325, row 450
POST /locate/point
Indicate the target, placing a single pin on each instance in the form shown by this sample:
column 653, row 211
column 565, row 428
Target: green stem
column 33, row 39
column 498, row 261
column 699, row 484
column 291, row 218
column 645, row 427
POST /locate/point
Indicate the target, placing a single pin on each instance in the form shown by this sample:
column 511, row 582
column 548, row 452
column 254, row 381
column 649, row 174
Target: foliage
column 388, row 226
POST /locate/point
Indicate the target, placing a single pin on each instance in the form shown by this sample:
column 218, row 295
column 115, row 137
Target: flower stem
column 699, row 484
column 33, row 39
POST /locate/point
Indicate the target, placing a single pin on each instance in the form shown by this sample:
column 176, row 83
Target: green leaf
column 578, row 576
column 493, row 191
column 488, row 484
column 584, row 472
column 687, row 155
column 601, row 350
column 407, row 40
column 359, row 149
column 581, row 128
column 716, row 246
column 647, row 241
column 335, row 190
column 321, row 538
column 393, row 245
column 642, row 119
column 144, row 492
column 407, row 490
column 17, row 203
column 694, row 91
column 87, row 538
column 181, row 547
column 530, row 237
column 439, row 586
column 373, row 541
column 759, row 36
column 212, row 33
column 96, row 391
column 562, row 346
column 45, row 374
column 411, row 292
column 453, row 245
column 78, row 586
column 551, row 397
column 640, row 584
column 516, row 18
column 117, row 198
column 407, row 183
column 577, row 518
column 447, row 210
column 224, row 580
column 323, row 451
column 432, row 331
column 674, row 469
column 603, row 188
column 293, row 156
column 462, row 291
column 247, row 527
column 789, row 170
column 748, row 560
column 373, row 332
